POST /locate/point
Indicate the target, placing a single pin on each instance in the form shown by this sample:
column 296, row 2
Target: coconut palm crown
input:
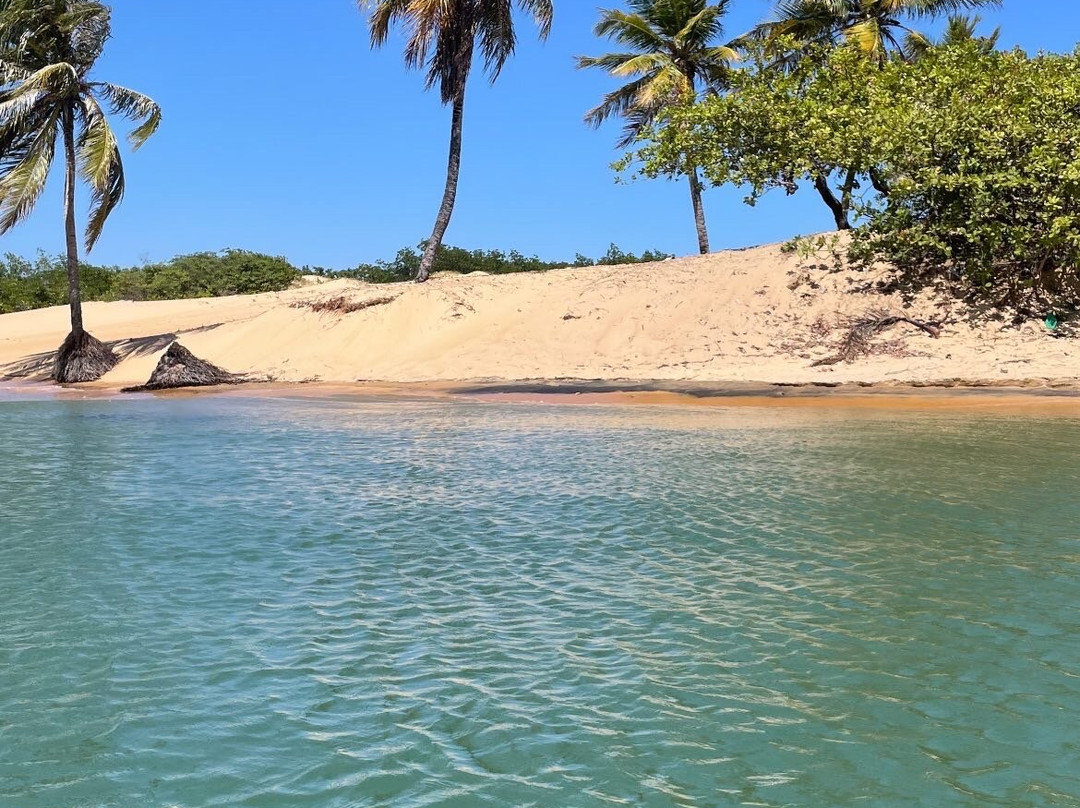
column 443, row 37
column 47, row 51
column 671, row 55
column 876, row 27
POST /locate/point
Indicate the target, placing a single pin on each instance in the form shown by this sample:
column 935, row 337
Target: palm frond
column 631, row 30
column 669, row 47
column 58, row 80
column 867, row 36
column 937, row 8
column 101, row 165
column 642, row 63
column 497, row 38
column 609, row 62
column 543, row 14
column 133, row 106
column 874, row 26
column 36, row 33
column 441, row 36
column 618, row 102
column 915, row 44
column 637, row 121
column 10, row 72
column 22, row 183
column 18, row 104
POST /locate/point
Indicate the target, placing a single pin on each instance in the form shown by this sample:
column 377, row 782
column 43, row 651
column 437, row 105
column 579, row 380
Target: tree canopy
column 47, row 50
column 964, row 163
column 876, row 28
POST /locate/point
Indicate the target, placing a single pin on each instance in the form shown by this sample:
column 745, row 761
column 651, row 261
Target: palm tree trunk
column 446, row 210
column 74, row 293
column 699, row 212
column 81, row 357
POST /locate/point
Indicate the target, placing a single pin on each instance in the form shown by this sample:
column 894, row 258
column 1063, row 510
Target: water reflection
column 282, row 603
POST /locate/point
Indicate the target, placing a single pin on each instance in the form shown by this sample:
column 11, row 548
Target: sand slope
column 754, row 315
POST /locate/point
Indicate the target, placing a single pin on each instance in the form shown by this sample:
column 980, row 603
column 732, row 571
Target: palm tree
column 876, row 27
column 671, row 57
column 444, row 36
column 960, row 30
column 47, row 50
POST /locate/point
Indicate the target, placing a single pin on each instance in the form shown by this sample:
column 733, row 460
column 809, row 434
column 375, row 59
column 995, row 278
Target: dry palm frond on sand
column 342, row 304
column 862, row 330
column 179, row 367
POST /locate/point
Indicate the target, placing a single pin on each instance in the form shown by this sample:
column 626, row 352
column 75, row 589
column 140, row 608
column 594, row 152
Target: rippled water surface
column 288, row 603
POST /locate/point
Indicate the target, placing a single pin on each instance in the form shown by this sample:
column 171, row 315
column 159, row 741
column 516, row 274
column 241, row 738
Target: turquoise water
column 286, row 603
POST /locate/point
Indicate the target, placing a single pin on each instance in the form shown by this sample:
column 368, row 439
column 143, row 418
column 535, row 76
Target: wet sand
column 1024, row 397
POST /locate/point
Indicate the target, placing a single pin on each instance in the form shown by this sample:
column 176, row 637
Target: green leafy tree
column 47, row 51
column 779, row 129
column 876, row 27
column 671, row 56
column 969, row 159
column 444, row 37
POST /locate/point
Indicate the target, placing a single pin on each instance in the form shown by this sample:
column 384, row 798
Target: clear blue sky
column 285, row 134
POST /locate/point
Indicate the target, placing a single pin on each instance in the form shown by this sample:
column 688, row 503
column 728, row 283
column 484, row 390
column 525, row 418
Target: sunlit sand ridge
column 754, row 315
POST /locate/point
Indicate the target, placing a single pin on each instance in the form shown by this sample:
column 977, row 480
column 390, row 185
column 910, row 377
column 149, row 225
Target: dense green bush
column 43, row 282
column 230, row 272
column 982, row 158
column 494, row 262
column 962, row 165
column 28, row 284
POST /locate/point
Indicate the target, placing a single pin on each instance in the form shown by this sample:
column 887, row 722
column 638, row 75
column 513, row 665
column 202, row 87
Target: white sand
column 752, row 315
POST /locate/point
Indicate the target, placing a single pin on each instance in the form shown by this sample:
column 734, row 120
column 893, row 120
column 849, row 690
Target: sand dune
column 754, row 315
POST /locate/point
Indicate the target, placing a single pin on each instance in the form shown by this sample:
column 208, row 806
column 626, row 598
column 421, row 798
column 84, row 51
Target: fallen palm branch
column 342, row 304
column 861, row 331
column 179, row 367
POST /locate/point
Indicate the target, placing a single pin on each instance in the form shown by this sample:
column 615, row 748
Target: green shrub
column 207, row 274
column 983, row 167
column 494, row 262
column 31, row 284
column 962, row 165
column 43, row 282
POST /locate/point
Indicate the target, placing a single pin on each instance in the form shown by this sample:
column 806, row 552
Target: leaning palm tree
column 876, row 27
column 47, row 50
column 671, row 56
column 444, row 36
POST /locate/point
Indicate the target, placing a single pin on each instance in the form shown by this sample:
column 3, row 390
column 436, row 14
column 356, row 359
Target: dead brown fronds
column 83, row 358
column 179, row 367
column 861, row 332
column 342, row 304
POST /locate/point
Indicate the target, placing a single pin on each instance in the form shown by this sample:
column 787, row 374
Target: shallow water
column 282, row 603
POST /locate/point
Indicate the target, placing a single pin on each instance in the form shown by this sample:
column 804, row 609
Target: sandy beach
column 754, row 317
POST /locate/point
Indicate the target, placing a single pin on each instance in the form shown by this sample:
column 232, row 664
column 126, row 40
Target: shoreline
column 1057, row 397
